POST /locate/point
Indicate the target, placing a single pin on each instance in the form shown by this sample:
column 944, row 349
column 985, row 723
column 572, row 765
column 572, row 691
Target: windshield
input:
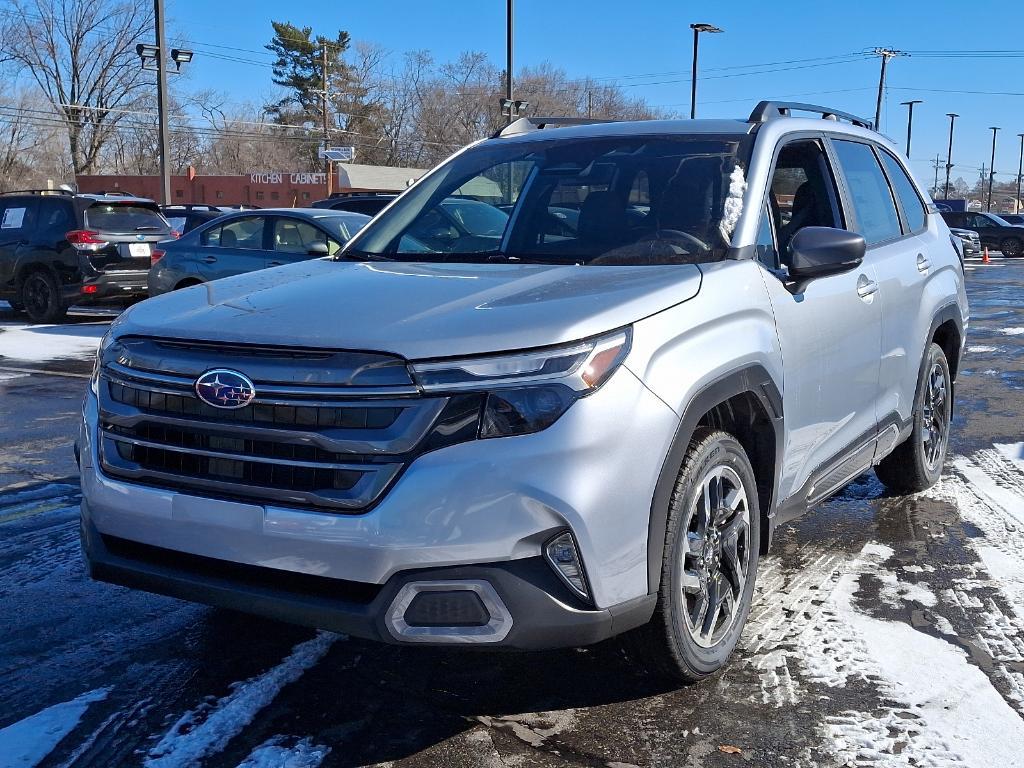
column 344, row 226
column 999, row 220
column 124, row 218
column 609, row 200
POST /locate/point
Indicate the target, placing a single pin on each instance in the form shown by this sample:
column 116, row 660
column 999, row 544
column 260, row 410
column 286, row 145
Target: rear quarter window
column 913, row 208
column 108, row 217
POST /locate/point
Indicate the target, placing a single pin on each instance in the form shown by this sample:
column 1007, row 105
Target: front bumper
column 544, row 613
column 486, row 504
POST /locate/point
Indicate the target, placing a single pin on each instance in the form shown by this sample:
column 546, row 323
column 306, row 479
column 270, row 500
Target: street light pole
column 910, row 119
column 1020, row 173
column 991, row 169
column 949, row 154
column 162, row 101
column 697, row 29
column 509, row 38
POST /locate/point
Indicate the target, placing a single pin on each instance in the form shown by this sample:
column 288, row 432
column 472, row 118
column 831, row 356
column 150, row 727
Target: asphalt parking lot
column 887, row 630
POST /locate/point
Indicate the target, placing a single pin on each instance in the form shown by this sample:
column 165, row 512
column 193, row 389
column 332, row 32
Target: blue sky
column 623, row 41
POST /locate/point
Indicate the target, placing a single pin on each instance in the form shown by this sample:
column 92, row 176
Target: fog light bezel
column 585, row 593
column 494, row 631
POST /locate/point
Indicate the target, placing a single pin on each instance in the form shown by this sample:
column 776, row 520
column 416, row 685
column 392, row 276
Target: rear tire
column 712, row 544
column 1011, row 246
column 916, row 463
column 40, row 296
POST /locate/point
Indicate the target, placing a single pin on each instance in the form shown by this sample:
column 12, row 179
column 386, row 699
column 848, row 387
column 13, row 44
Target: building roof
column 375, row 177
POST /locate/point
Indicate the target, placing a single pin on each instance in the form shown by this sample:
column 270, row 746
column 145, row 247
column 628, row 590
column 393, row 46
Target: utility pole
column 991, row 169
column 910, row 119
column 590, row 104
column 1020, row 174
column 885, row 54
column 949, row 154
column 327, row 120
column 935, row 185
column 697, row 29
column 162, row 102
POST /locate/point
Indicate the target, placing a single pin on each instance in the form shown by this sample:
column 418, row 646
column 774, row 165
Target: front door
column 829, row 333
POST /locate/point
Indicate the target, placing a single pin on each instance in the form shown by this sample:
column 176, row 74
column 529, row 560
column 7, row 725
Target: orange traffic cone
column 984, row 256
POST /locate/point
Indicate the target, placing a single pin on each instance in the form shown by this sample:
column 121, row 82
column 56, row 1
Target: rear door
column 232, row 248
column 17, row 216
column 891, row 217
column 130, row 229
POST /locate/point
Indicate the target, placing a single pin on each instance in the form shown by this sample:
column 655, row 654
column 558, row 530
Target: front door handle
column 210, row 259
column 866, row 287
column 923, row 265
column 274, row 263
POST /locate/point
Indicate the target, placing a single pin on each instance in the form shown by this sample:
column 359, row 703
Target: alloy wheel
column 716, row 556
column 935, row 426
column 37, row 295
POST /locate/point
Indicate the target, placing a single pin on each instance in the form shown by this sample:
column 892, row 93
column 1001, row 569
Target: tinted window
column 877, row 219
column 913, row 210
column 765, row 246
column 55, row 219
column 954, row 218
column 108, row 217
column 345, row 225
column 246, row 233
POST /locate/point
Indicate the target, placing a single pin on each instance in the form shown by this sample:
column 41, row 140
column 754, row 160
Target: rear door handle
column 866, row 287
column 274, row 263
column 209, row 259
column 923, row 265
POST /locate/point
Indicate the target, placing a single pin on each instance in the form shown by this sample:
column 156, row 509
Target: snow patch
column 1012, row 451
column 208, row 728
column 1012, row 331
column 733, row 203
column 40, row 343
column 274, row 754
column 28, row 741
column 981, row 348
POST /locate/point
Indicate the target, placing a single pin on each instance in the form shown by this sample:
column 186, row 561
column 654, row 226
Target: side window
column 877, row 219
column 294, row 236
column 246, row 233
column 802, row 193
column 913, row 208
column 55, row 219
column 765, row 249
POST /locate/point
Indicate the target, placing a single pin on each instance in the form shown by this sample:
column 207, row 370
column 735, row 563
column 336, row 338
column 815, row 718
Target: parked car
column 185, row 218
column 527, row 441
column 969, row 238
column 1017, row 219
column 995, row 232
column 59, row 249
column 368, row 204
column 246, row 241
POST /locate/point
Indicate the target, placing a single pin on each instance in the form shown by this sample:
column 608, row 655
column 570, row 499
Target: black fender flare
column 753, row 379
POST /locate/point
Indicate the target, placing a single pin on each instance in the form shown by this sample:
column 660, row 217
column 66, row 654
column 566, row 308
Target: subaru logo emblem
column 140, row 237
column 222, row 388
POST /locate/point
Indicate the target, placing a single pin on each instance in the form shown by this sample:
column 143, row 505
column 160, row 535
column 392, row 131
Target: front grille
column 335, row 448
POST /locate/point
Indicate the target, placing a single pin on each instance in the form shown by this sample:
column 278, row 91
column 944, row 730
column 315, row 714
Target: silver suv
column 586, row 422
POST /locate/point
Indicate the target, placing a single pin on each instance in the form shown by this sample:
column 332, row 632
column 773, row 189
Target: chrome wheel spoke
column 713, row 608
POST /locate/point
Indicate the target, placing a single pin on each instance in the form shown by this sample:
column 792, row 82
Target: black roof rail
column 527, row 124
column 38, row 192
column 768, row 110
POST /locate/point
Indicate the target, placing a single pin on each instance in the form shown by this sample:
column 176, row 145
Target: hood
column 414, row 310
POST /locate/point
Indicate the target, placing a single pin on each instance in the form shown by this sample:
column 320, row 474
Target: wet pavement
column 882, row 626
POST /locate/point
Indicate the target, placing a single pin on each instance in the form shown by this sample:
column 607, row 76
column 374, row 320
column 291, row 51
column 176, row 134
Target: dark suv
column 994, row 231
column 58, row 249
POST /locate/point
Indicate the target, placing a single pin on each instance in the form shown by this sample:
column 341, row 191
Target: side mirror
column 819, row 251
column 316, row 250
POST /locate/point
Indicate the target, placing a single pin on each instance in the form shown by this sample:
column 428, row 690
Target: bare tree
column 81, row 54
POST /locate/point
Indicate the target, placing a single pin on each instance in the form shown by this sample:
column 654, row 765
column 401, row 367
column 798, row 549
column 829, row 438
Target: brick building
column 266, row 189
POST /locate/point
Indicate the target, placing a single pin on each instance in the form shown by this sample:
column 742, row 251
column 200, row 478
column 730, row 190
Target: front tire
column 712, row 544
column 916, row 463
column 40, row 295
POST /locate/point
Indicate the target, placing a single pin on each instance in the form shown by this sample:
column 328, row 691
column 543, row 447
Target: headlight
column 97, row 363
column 528, row 391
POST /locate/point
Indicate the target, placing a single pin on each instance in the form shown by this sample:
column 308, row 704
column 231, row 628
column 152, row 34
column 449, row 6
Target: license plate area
column 139, row 250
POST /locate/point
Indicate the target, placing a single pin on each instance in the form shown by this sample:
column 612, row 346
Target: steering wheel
column 677, row 234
